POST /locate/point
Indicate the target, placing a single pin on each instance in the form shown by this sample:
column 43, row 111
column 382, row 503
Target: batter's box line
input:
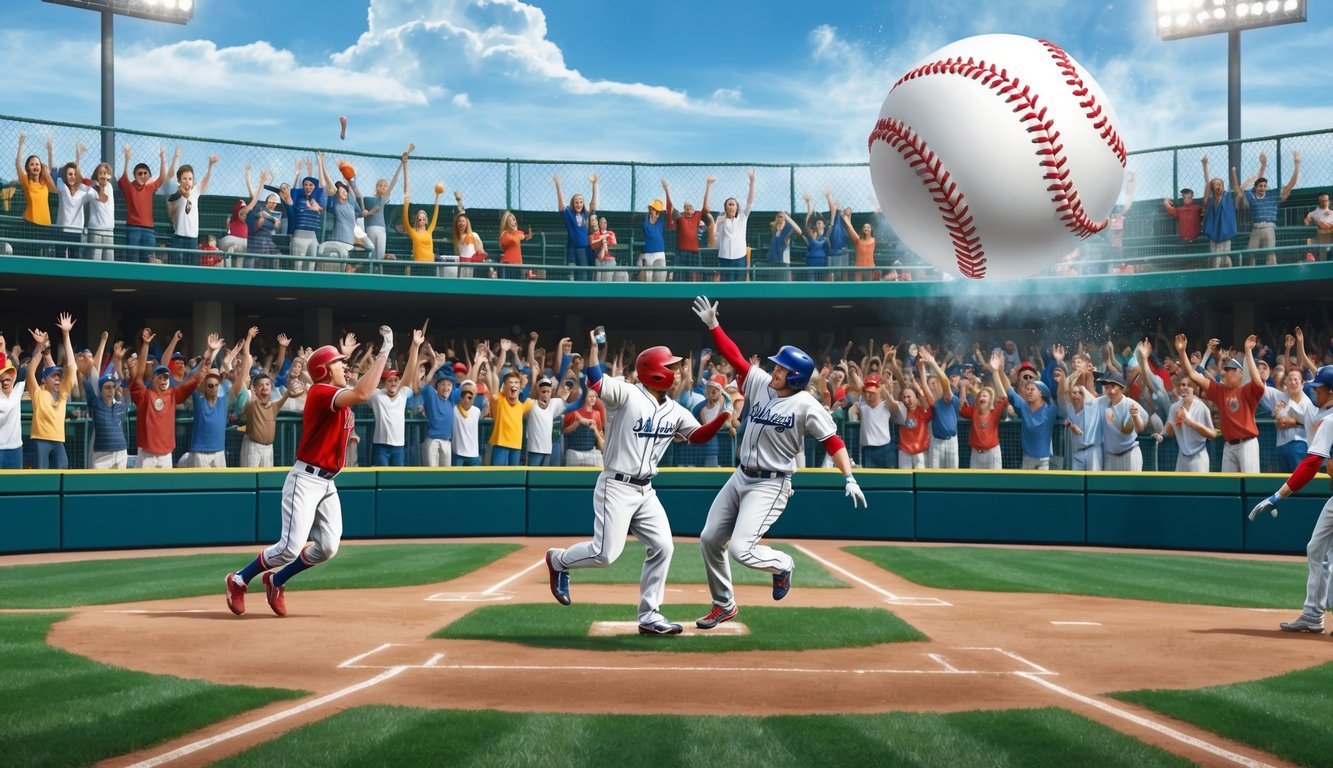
column 1036, row 669
column 890, row 598
column 352, row 662
column 946, row 669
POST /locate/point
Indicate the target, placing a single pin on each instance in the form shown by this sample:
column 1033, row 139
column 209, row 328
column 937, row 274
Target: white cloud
column 461, row 100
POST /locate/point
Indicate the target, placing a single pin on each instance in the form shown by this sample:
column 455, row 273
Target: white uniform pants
column 1129, row 461
column 146, row 460
column 437, row 453
column 1199, row 462
column 654, row 267
column 942, row 453
column 379, row 238
column 590, row 458
column 1317, row 554
column 1087, row 459
column 304, row 246
column 911, row 460
column 620, row 508
column 311, row 512
column 741, row 514
column 110, row 459
column 1034, row 463
column 987, row 459
column 1241, row 457
column 211, row 460
column 256, row 454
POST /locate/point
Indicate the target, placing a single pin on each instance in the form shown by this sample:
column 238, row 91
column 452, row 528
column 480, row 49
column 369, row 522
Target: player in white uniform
column 1321, row 539
column 641, row 423
column 781, row 413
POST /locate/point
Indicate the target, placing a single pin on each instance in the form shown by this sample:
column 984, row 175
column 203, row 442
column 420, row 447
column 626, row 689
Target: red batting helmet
column 654, row 368
column 320, row 360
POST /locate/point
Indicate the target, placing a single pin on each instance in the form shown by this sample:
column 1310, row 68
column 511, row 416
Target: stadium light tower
column 171, row 11
column 1178, row 19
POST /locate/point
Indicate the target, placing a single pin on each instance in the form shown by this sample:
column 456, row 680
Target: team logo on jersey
column 158, row 404
column 768, row 418
column 1233, row 404
column 644, row 428
column 910, row 423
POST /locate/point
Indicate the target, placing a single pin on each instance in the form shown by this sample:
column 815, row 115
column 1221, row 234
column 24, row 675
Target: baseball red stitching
column 1100, row 120
column 1049, row 149
column 953, row 207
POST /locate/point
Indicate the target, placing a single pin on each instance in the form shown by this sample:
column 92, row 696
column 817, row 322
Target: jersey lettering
column 768, row 418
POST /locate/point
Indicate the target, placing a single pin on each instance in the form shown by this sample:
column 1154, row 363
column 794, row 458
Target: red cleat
column 235, row 595
column 276, row 595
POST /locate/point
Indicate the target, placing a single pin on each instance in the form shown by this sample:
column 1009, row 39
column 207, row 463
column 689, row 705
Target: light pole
column 171, row 11
column 1178, row 19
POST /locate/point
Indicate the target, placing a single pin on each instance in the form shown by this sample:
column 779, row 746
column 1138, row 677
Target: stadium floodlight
column 1178, row 19
column 171, row 11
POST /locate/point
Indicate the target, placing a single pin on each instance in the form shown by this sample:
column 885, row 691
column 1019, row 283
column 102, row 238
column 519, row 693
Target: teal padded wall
column 1000, row 506
column 1168, row 511
column 30, row 512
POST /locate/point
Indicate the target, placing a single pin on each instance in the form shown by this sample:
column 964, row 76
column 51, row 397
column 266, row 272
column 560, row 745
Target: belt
column 320, row 472
column 640, row 481
column 761, row 474
column 1127, row 450
column 1238, row 442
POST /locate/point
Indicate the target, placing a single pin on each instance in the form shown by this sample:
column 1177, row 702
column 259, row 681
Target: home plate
column 617, row 628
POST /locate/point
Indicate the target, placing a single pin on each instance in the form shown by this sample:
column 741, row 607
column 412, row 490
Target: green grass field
column 60, row 709
column 687, row 567
column 771, row 628
column 1286, row 715
column 99, row 582
column 1033, row 738
column 1160, row 578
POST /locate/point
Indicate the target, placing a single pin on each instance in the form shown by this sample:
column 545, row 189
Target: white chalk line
column 1077, row 623
column 1144, row 722
column 177, row 610
column 515, row 577
column 711, row 670
column 360, row 656
column 863, row 582
column 943, row 662
column 1036, row 668
column 266, row 721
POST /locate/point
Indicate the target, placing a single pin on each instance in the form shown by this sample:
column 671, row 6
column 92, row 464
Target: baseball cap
column 340, row 183
column 50, row 370
column 444, row 373
column 718, row 381
column 656, row 205
column 468, row 383
column 954, row 370
column 212, row 374
column 1261, row 361
column 1234, row 363
column 105, row 378
column 1111, row 377
column 545, row 382
column 871, row 382
column 8, row 367
column 1027, row 367
column 177, row 356
column 85, row 351
column 392, row 373
column 161, row 370
column 460, row 368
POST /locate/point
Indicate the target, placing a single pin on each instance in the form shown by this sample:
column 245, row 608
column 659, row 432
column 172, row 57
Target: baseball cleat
column 276, row 595
column 660, row 627
column 782, row 584
column 235, row 595
column 559, row 580
column 1304, row 623
column 716, row 616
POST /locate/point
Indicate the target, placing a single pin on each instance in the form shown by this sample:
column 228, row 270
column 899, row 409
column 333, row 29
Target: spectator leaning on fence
column 1322, row 220
column 50, row 392
column 1236, row 401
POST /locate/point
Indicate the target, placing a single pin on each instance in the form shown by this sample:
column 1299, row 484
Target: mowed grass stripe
column 1286, row 715
column 687, row 567
column 1161, row 578
column 60, row 709
column 771, row 628
column 100, row 582
column 1030, row 738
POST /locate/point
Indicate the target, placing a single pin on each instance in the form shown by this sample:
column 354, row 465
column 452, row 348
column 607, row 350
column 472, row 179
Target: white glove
column 707, row 311
column 1268, row 504
column 854, row 491
column 387, row 333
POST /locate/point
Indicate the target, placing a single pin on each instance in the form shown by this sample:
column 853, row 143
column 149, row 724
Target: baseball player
column 310, row 506
column 641, row 422
column 781, row 412
column 1321, row 540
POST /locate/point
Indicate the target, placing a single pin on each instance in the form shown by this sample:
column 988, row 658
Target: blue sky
column 770, row 81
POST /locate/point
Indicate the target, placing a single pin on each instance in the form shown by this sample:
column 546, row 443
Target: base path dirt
column 986, row 651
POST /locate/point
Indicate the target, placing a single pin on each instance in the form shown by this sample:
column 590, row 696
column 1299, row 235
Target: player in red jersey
column 310, row 507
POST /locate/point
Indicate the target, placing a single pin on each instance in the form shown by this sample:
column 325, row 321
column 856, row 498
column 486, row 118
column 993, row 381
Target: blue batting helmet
column 1324, row 377
column 799, row 365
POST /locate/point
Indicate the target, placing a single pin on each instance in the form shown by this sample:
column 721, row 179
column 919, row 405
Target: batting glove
column 387, row 333
column 1269, row 504
column 855, row 493
column 706, row 311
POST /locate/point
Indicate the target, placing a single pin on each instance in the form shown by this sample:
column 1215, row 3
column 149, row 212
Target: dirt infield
column 987, row 651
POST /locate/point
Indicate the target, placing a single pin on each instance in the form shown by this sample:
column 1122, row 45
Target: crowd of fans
column 325, row 222
column 915, row 405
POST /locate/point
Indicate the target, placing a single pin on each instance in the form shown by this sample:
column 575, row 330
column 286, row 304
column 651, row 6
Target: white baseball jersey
column 1113, row 440
column 777, row 426
column 1189, row 440
column 1323, row 434
column 638, row 428
column 1280, row 404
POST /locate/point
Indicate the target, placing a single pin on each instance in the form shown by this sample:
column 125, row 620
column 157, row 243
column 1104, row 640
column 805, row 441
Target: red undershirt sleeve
column 833, row 444
column 705, row 433
column 732, row 353
column 1305, row 472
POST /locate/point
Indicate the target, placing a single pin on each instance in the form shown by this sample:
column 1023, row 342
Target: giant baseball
column 996, row 155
